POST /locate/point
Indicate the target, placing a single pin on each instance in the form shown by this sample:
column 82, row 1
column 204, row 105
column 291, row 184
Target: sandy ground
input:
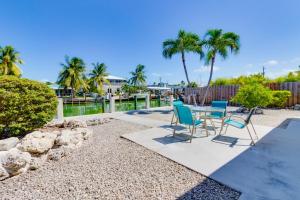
column 109, row 167
column 270, row 117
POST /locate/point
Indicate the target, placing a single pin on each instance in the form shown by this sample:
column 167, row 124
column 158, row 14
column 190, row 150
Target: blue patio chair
column 241, row 123
column 218, row 115
column 185, row 117
column 175, row 115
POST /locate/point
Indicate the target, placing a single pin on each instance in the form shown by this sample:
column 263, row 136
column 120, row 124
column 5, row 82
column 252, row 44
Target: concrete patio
column 269, row 170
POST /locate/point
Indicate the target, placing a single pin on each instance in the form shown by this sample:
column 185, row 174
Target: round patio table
column 205, row 110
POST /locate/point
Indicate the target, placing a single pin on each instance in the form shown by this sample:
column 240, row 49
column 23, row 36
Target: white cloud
column 271, row 63
column 206, row 69
column 279, row 73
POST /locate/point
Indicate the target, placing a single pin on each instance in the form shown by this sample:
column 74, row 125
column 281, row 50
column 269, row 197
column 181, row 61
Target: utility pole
column 264, row 71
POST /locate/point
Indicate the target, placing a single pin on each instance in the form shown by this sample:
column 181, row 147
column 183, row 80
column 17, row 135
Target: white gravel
column 109, row 167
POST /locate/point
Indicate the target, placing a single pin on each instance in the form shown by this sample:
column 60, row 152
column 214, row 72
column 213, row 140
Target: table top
column 206, row 109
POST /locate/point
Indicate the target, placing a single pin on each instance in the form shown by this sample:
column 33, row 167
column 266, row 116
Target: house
column 115, row 84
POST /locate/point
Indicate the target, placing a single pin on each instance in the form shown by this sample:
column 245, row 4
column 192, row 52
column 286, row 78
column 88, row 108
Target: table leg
column 205, row 126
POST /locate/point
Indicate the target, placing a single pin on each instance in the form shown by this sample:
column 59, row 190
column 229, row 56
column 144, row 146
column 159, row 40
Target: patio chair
column 218, row 115
column 241, row 123
column 175, row 115
column 185, row 117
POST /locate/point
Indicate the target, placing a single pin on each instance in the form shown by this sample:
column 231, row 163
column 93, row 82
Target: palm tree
column 138, row 76
column 184, row 43
column 98, row 77
column 218, row 43
column 9, row 60
column 85, row 86
column 72, row 74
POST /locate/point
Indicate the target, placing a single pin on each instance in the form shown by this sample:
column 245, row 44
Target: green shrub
column 193, row 84
column 279, row 98
column 252, row 95
column 24, row 105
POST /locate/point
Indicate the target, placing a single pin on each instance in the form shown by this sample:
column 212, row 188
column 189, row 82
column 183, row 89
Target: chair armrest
column 235, row 116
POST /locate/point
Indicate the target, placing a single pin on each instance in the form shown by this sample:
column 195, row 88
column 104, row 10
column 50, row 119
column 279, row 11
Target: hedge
column 25, row 105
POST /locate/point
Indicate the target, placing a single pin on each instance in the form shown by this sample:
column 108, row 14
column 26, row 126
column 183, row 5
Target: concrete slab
column 270, row 170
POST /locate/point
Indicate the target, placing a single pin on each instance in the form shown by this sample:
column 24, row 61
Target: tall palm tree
column 98, row 77
column 9, row 60
column 218, row 43
column 138, row 76
column 72, row 74
column 85, row 86
column 184, row 43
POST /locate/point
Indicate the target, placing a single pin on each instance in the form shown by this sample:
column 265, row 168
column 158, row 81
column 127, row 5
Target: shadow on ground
column 268, row 170
column 147, row 112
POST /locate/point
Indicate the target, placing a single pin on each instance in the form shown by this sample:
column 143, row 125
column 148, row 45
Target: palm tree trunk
column 72, row 94
column 184, row 66
column 209, row 80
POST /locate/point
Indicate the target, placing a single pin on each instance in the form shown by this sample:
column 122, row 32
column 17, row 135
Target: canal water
column 95, row 108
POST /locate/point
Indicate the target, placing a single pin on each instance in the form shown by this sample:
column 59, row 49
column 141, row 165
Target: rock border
column 53, row 142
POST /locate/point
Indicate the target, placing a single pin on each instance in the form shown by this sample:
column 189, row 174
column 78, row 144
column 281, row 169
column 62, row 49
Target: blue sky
column 123, row 34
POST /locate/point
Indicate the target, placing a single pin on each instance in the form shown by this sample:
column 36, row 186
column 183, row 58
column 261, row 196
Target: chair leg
column 226, row 129
column 172, row 121
column 214, row 126
column 222, row 125
column 254, row 130
column 174, row 129
column 192, row 133
column 252, row 143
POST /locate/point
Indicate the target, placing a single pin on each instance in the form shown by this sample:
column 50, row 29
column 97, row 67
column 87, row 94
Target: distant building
column 115, row 84
column 164, row 87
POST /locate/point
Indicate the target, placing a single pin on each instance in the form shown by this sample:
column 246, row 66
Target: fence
column 229, row 91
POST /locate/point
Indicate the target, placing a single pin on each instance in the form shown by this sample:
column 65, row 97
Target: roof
column 111, row 77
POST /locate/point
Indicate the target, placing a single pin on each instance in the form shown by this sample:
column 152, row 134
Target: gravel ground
column 109, row 167
column 271, row 117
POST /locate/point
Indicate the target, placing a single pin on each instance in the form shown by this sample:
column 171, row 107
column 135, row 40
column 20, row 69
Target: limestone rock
column 75, row 124
column 3, row 173
column 58, row 153
column 70, row 138
column 37, row 142
column 55, row 123
column 8, row 143
column 86, row 133
column 297, row 107
column 15, row 162
column 37, row 161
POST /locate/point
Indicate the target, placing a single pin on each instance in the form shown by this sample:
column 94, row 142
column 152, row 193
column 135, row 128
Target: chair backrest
column 219, row 104
column 175, row 104
column 185, row 115
column 252, row 111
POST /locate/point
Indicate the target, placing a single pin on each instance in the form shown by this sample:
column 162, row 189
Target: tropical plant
column 138, row 76
column 9, row 60
column 25, row 105
column 72, row 74
column 85, row 86
column 241, row 80
column 184, row 43
column 193, row 84
column 253, row 95
column 98, row 77
column 290, row 77
column 218, row 43
column 132, row 89
column 182, row 83
column 279, row 98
